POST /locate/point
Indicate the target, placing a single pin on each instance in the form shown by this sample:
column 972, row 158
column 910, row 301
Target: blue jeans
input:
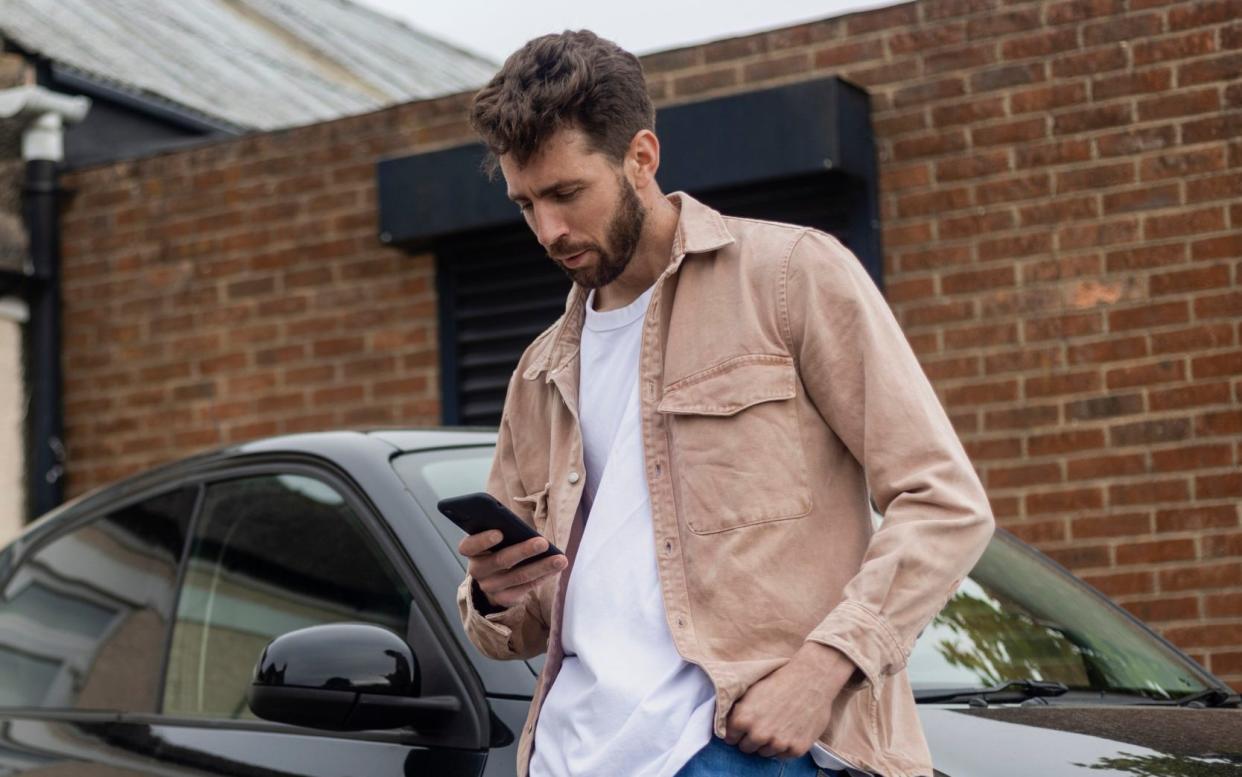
column 721, row 759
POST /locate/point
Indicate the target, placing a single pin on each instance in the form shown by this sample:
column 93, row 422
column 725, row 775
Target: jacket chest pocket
column 736, row 446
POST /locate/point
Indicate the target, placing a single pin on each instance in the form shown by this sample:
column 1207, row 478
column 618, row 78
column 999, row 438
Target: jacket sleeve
column 521, row 631
column 862, row 376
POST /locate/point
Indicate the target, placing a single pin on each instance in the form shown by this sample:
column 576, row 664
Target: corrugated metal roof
column 262, row 64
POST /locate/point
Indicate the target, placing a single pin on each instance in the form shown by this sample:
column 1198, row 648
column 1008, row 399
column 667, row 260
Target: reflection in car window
column 435, row 475
column 270, row 554
column 1017, row 618
column 82, row 621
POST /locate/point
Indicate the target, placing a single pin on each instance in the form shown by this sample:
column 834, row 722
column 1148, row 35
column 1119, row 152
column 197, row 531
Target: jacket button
column 573, row 478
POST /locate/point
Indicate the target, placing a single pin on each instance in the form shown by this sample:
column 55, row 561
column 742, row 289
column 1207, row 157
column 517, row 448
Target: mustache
column 563, row 249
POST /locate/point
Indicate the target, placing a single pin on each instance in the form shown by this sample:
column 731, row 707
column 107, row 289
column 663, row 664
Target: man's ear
column 643, row 158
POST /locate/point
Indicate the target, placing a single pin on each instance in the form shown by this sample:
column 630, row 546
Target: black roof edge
column 161, row 108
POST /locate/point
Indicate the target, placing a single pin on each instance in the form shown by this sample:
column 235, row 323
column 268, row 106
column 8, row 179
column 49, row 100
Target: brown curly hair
column 571, row 79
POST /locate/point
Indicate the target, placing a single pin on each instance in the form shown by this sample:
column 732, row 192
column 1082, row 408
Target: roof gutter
column 42, row 114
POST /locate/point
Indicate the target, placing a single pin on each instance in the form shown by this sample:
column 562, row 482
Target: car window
column 1019, row 617
column 434, row 475
column 270, row 554
column 83, row 620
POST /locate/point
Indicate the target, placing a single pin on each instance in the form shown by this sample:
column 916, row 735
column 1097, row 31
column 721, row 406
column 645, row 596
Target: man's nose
column 549, row 226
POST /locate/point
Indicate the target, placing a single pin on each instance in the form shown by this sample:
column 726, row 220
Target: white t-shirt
column 624, row 702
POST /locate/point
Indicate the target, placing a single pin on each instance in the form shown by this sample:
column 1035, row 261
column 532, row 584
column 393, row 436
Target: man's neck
column 651, row 257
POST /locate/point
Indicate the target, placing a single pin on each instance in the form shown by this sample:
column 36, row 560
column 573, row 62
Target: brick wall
column 1062, row 239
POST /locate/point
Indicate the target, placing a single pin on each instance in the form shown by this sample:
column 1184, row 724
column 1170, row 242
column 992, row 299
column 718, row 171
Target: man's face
column 581, row 207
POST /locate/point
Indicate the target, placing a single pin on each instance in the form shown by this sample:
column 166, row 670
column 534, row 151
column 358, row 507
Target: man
column 701, row 431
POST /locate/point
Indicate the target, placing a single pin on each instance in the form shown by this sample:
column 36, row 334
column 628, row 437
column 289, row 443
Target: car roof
column 324, row 444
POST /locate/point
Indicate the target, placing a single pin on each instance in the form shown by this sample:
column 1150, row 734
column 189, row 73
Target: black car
column 134, row 620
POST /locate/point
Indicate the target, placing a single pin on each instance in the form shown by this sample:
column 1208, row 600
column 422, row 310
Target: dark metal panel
column 790, row 130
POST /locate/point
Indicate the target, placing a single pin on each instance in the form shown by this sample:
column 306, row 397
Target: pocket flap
column 732, row 386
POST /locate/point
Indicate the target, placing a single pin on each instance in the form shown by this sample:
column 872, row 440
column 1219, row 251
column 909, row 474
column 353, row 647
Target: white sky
column 495, row 28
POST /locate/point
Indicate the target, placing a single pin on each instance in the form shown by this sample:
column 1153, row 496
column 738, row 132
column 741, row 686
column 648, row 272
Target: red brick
column 1220, row 423
column 938, row 313
column 1220, row 365
column 1146, row 432
column 970, row 112
column 1107, row 350
column 1167, row 609
column 1065, row 501
column 1059, row 210
column 1183, row 224
column 1063, row 326
column 983, row 450
column 935, row 258
column 974, row 166
column 1081, row 556
column 1089, row 62
column 1189, row 396
column 1010, row 133
column 1030, row 416
column 1223, row 605
column 1191, row 458
column 927, row 203
column 1122, row 583
column 1104, row 407
column 953, row 367
column 1157, row 552
column 1038, row 532
column 1148, row 492
column 1098, row 467
column 1219, row 187
column 1056, row 385
column 1204, row 13
column 1023, row 360
column 1219, row 486
column 1046, row 98
column 1222, row 545
column 1216, row 276
column 1179, row 103
column 973, row 281
column 1136, row 141
column 1095, row 117
column 1142, row 257
column 1126, row 84
column 1057, row 152
column 1197, row 518
column 1071, row 441
column 1146, row 375
column 1090, row 235
column 1128, row 524
column 1149, row 315
column 1183, row 164
column 1168, row 48
column 1200, row 577
column 955, row 227
column 1228, row 305
column 1023, row 475
column 1223, row 247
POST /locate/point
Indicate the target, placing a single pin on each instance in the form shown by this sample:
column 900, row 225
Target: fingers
column 475, row 544
column 500, row 577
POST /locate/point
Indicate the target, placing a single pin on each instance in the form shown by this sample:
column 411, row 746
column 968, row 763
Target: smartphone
column 480, row 512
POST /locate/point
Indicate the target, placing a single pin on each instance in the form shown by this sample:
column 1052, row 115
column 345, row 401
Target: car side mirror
column 343, row 677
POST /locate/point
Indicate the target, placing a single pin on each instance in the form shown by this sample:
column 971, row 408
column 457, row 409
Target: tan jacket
column 776, row 386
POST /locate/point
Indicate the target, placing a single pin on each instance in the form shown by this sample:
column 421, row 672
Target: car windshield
column 1017, row 617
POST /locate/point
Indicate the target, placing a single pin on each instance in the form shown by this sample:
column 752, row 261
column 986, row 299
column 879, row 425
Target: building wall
column 1061, row 230
column 13, row 256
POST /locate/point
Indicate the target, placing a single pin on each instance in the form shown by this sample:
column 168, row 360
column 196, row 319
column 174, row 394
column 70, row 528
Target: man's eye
column 567, row 195
column 523, row 206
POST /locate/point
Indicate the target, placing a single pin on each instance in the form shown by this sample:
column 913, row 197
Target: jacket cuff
column 490, row 632
column 865, row 639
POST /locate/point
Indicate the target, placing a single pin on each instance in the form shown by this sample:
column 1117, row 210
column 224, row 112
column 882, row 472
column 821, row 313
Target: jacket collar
column 700, row 230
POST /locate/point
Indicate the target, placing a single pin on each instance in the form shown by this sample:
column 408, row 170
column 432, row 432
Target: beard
column 625, row 228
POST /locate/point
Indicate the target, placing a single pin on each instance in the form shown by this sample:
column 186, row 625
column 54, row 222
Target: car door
column 84, row 614
column 273, row 549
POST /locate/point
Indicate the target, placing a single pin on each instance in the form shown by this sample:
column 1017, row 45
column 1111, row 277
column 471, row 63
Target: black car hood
column 1077, row 741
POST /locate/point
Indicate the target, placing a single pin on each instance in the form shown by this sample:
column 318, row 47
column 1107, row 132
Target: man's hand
column 783, row 714
column 502, row 584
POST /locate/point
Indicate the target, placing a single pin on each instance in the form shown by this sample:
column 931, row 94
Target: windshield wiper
column 1212, row 697
column 1011, row 690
